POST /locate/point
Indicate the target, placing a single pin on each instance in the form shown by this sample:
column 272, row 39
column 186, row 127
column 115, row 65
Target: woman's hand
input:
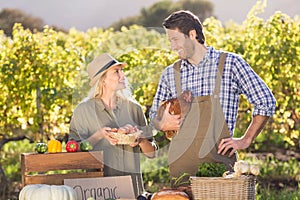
column 138, row 141
column 103, row 133
column 106, row 133
column 135, row 143
column 127, row 129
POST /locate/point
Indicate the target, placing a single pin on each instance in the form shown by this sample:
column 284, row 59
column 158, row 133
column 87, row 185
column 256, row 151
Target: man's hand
column 167, row 121
column 231, row 145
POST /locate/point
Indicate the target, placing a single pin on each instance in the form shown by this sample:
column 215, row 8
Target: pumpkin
column 241, row 167
column 254, row 169
column 47, row 192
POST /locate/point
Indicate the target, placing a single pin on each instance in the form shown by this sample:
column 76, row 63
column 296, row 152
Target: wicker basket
column 242, row 187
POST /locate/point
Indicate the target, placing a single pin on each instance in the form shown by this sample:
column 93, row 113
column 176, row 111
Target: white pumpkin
column 254, row 169
column 241, row 167
column 47, row 192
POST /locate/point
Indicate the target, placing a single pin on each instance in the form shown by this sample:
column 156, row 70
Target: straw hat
column 100, row 64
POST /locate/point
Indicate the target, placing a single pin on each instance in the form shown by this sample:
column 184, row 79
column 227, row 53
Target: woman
column 108, row 106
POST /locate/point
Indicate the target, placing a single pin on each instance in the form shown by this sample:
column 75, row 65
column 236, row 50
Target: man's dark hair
column 185, row 21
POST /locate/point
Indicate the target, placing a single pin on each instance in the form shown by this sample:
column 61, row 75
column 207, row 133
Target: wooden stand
column 53, row 168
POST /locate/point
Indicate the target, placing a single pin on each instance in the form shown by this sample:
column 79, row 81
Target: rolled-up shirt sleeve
column 165, row 90
column 256, row 90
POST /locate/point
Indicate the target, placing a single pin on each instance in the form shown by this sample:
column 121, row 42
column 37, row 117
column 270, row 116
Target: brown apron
column 203, row 128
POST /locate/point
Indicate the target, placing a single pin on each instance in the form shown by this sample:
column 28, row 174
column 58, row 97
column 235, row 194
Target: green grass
column 285, row 194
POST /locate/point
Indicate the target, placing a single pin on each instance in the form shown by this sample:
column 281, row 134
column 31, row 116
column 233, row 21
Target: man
column 216, row 80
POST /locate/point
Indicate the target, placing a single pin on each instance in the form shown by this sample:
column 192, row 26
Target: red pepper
column 72, row 146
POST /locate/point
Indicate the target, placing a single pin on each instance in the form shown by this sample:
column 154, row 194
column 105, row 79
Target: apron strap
column 177, row 65
column 219, row 73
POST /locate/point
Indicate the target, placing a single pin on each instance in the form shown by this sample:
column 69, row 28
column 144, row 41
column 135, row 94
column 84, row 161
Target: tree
column 8, row 17
column 155, row 14
column 203, row 9
column 36, row 81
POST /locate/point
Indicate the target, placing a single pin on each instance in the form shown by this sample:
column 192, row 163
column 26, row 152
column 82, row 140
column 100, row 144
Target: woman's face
column 181, row 43
column 114, row 79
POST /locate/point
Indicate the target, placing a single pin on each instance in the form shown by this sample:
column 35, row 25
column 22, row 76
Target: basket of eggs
column 123, row 137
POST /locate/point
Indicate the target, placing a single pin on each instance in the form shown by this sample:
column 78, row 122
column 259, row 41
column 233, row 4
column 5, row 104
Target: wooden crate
column 36, row 167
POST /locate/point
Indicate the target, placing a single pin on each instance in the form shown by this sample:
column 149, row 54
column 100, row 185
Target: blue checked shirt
column 238, row 78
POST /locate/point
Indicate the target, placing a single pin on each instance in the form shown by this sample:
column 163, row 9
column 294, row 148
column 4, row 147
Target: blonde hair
column 96, row 90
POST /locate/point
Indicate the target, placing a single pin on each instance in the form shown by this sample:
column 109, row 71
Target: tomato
column 41, row 147
column 86, row 146
column 72, row 146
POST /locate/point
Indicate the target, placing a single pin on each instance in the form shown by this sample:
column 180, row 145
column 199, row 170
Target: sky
column 85, row 14
column 237, row 10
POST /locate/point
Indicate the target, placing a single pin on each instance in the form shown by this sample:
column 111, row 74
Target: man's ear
column 192, row 34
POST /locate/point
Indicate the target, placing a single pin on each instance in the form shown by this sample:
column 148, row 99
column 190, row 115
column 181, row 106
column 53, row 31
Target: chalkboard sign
column 102, row 188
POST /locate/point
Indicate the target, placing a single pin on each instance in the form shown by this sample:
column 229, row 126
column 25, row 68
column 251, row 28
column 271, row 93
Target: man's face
column 181, row 43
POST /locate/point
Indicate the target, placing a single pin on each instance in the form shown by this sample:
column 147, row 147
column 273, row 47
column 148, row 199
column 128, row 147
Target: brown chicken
column 179, row 106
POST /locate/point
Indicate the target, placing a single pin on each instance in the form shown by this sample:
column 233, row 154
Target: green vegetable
column 211, row 170
column 86, row 146
column 41, row 147
column 182, row 180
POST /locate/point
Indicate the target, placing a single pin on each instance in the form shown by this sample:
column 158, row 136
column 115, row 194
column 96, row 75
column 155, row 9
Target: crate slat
column 35, row 167
column 58, row 179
